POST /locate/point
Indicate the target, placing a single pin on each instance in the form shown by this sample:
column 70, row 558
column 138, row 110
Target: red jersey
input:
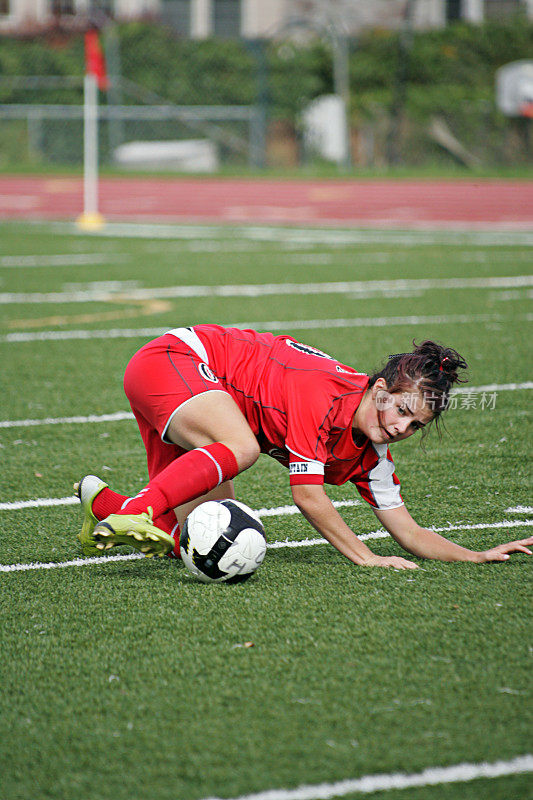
column 300, row 404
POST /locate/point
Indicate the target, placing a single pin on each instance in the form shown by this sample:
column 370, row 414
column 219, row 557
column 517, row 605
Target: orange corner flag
column 94, row 59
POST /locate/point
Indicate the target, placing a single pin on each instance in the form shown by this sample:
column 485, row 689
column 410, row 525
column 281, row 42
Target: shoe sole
column 154, row 544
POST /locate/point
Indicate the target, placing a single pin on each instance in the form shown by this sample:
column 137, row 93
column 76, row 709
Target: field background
column 124, row 679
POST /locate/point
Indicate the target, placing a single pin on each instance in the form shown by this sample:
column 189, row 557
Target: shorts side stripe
column 179, row 373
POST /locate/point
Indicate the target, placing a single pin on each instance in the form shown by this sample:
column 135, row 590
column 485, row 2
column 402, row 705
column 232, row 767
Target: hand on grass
column 501, row 552
column 391, row 561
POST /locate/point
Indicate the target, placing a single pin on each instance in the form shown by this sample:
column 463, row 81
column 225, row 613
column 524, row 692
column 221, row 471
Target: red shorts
column 161, row 377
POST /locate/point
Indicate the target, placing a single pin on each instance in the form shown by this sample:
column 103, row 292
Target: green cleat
column 86, row 490
column 136, row 530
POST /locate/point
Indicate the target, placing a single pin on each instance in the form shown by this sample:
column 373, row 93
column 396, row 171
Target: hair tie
column 444, row 360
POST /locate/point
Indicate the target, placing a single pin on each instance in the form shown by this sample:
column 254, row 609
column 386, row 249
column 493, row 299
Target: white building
column 254, row 18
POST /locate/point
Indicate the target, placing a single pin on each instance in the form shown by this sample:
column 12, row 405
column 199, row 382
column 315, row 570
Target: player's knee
column 246, row 452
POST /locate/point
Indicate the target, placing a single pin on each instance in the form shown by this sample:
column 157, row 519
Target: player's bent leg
column 189, row 476
column 214, row 417
column 86, row 490
column 135, row 530
column 217, row 444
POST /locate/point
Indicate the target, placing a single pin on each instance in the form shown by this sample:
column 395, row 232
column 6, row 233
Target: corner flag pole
column 95, row 77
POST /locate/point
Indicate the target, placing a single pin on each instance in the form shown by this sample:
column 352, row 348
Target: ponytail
column 430, row 368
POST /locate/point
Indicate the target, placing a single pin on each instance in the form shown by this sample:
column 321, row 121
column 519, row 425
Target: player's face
column 390, row 417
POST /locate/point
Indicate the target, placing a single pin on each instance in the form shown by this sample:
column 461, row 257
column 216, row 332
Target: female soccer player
column 208, row 400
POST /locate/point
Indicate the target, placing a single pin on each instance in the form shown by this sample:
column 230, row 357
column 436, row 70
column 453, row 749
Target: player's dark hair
column 431, row 369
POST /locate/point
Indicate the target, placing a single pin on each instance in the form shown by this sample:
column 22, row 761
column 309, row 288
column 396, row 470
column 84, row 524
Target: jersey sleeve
column 378, row 484
column 308, row 406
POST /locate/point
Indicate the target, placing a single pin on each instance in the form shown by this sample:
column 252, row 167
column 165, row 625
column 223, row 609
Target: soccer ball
column 222, row 541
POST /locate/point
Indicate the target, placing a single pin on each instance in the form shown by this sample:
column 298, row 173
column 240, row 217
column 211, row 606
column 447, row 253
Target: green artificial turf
column 129, row 679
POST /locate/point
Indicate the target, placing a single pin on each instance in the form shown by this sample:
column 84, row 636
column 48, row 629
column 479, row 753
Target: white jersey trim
column 192, row 340
column 306, row 468
column 385, row 492
column 306, row 458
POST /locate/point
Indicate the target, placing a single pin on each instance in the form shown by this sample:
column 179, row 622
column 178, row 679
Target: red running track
column 503, row 204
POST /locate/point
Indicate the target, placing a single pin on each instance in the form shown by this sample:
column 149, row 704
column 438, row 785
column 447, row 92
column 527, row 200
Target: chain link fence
column 160, row 90
column 415, row 100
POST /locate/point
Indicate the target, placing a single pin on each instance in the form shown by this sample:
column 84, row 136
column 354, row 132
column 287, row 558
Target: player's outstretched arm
column 502, row 551
column 427, row 544
column 318, row 510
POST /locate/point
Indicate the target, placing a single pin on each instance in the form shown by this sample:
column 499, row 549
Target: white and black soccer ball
column 222, row 541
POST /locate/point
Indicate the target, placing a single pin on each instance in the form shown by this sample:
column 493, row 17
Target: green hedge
column 225, row 71
column 449, row 71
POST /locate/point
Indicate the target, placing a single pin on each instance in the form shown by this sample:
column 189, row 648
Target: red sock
column 191, row 475
column 107, row 502
column 168, row 523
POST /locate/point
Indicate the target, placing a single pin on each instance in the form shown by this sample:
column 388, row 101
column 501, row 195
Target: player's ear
column 379, row 386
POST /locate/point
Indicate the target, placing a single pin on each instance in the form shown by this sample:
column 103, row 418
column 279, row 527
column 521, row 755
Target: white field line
column 118, row 416
column 494, row 387
column 76, row 562
column 63, row 260
column 31, row 423
column 459, row 234
column 432, row 776
column 267, row 289
column 283, row 326
column 287, row 511
column 277, row 545
column 519, row 510
column 43, row 502
column 381, row 534
column 39, row 502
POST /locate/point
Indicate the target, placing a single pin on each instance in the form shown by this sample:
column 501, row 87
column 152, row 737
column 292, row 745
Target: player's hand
column 396, row 562
column 501, row 552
